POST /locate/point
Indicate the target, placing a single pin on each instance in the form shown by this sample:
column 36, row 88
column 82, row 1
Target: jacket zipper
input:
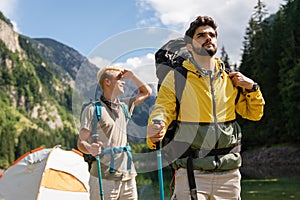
column 212, row 89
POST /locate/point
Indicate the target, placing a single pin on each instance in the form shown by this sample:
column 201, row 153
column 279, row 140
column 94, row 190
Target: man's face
column 117, row 83
column 204, row 41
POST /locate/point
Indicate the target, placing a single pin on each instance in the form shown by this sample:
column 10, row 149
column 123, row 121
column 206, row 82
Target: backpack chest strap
column 112, row 152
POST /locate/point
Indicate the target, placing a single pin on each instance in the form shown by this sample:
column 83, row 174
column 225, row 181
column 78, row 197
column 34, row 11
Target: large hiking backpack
column 170, row 57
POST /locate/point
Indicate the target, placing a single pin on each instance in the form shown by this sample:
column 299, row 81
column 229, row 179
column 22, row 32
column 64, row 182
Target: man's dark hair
column 199, row 21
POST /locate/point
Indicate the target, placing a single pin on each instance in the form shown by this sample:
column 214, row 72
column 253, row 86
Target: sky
column 115, row 31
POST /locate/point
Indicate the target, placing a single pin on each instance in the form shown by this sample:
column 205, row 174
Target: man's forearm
column 141, row 85
column 82, row 146
column 144, row 89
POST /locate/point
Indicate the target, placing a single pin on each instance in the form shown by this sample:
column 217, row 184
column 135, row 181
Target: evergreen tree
column 255, row 49
column 225, row 57
column 247, row 58
column 289, row 82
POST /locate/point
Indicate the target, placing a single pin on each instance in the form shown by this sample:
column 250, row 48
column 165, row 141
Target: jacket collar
column 192, row 66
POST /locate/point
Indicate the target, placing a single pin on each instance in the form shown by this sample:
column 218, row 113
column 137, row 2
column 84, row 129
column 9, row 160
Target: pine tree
column 225, row 57
column 255, row 49
column 289, row 82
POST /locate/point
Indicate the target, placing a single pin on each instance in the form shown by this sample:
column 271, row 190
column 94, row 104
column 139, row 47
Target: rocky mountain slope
column 37, row 79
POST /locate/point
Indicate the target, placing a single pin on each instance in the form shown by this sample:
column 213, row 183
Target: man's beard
column 201, row 51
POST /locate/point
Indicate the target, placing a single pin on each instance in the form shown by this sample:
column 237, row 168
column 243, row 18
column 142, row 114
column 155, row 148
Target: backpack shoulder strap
column 97, row 116
column 180, row 75
column 228, row 70
column 125, row 109
column 98, row 110
column 97, row 106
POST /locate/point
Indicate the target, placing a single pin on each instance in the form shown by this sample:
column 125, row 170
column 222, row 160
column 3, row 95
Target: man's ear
column 189, row 47
column 107, row 82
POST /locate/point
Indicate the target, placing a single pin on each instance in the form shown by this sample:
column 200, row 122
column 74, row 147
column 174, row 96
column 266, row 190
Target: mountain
column 70, row 67
column 37, row 81
column 60, row 55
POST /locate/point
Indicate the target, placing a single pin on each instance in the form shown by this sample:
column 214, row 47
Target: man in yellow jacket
column 206, row 146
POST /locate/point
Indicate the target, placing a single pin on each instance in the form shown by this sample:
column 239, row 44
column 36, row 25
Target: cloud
column 15, row 26
column 232, row 17
column 8, row 8
column 142, row 66
column 98, row 61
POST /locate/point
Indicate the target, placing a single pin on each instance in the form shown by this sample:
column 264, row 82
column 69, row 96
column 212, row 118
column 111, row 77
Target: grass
column 270, row 189
column 252, row 189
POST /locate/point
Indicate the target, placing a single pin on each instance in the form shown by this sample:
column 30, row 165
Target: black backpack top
column 169, row 57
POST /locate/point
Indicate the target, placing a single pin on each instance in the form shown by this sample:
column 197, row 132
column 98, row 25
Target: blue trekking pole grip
column 159, row 164
column 97, row 157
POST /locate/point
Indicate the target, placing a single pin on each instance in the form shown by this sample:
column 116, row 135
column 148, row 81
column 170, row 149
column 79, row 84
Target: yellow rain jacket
column 206, row 119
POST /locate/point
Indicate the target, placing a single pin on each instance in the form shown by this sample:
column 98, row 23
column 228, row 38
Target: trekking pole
column 159, row 164
column 97, row 157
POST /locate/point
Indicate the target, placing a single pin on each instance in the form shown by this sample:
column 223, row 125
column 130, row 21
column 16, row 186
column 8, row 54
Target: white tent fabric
column 46, row 174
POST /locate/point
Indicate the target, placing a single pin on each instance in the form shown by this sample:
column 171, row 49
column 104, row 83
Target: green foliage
column 7, row 138
column 6, row 20
column 225, row 57
column 27, row 81
column 271, row 57
column 139, row 148
column 32, row 138
column 4, row 164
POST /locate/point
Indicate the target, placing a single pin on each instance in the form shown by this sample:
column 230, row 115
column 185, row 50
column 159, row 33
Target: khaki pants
column 210, row 186
column 113, row 190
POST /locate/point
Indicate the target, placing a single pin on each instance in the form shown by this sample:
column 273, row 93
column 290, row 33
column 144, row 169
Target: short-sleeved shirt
column 112, row 133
